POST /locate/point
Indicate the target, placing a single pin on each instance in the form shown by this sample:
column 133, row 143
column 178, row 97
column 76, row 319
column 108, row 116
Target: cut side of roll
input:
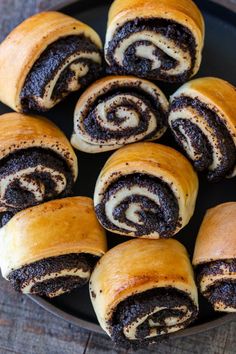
column 45, row 58
column 118, row 110
column 37, row 163
column 156, row 40
column 146, row 190
column 215, row 257
column 51, row 248
column 142, row 290
column 202, row 119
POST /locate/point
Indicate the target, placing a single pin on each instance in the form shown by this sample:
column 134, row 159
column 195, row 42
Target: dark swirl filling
column 49, row 63
column 17, row 196
column 163, row 218
column 137, row 306
column 204, row 150
column 93, row 128
column 142, row 67
column 34, row 271
column 221, row 290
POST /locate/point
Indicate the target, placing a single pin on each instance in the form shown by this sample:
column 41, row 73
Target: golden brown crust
column 165, row 8
column 104, row 81
column 184, row 12
column 218, row 93
column 54, row 228
column 155, row 160
column 136, row 266
column 208, row 105
column 25, row 44
column 21, row 131
column 216, row 239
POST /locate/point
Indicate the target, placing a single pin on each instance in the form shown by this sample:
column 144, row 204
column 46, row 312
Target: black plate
column 219, row 59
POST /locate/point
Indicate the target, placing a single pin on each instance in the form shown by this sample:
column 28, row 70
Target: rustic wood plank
column 100, row 344
column 231, row 4
column 230, row 345
column 217, row 341
column 26, row 328
column 12, row 12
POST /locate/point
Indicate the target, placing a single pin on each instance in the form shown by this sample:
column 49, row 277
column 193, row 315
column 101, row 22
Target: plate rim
column 85, row 324
column 219, row 11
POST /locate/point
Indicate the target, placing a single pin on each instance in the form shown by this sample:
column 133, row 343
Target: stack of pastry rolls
column 51, row 242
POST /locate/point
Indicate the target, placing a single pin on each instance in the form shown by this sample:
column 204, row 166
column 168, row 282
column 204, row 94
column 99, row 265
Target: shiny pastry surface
column 202, row 119
column 118, row 110
column 37, row 162
column 45, row 58
column 144, row 289
column 146, row 190
column 157, row 40
column 51, row 248
column 221, row 270
column 215, row 257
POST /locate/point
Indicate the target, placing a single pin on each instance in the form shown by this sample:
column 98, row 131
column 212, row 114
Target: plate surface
column 219, row 59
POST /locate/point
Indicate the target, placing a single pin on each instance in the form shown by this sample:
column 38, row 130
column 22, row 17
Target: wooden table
column 26, row 328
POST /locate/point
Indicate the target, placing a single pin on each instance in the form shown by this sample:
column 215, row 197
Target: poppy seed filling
column 34, row 271
column 141, row 66
column 162, row 218
column 48, row 64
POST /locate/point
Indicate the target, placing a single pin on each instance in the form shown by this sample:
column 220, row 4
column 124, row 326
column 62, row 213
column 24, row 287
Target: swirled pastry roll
column 156, row 40
column 51, row 248
column 146, row 190
column 117, row 110
column 143, row 289
column 45, row 58
column 37, row 162
column 215, row 257
column 203, row 121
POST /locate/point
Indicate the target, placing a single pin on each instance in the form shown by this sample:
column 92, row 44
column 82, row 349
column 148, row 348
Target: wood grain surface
column 26, row 328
